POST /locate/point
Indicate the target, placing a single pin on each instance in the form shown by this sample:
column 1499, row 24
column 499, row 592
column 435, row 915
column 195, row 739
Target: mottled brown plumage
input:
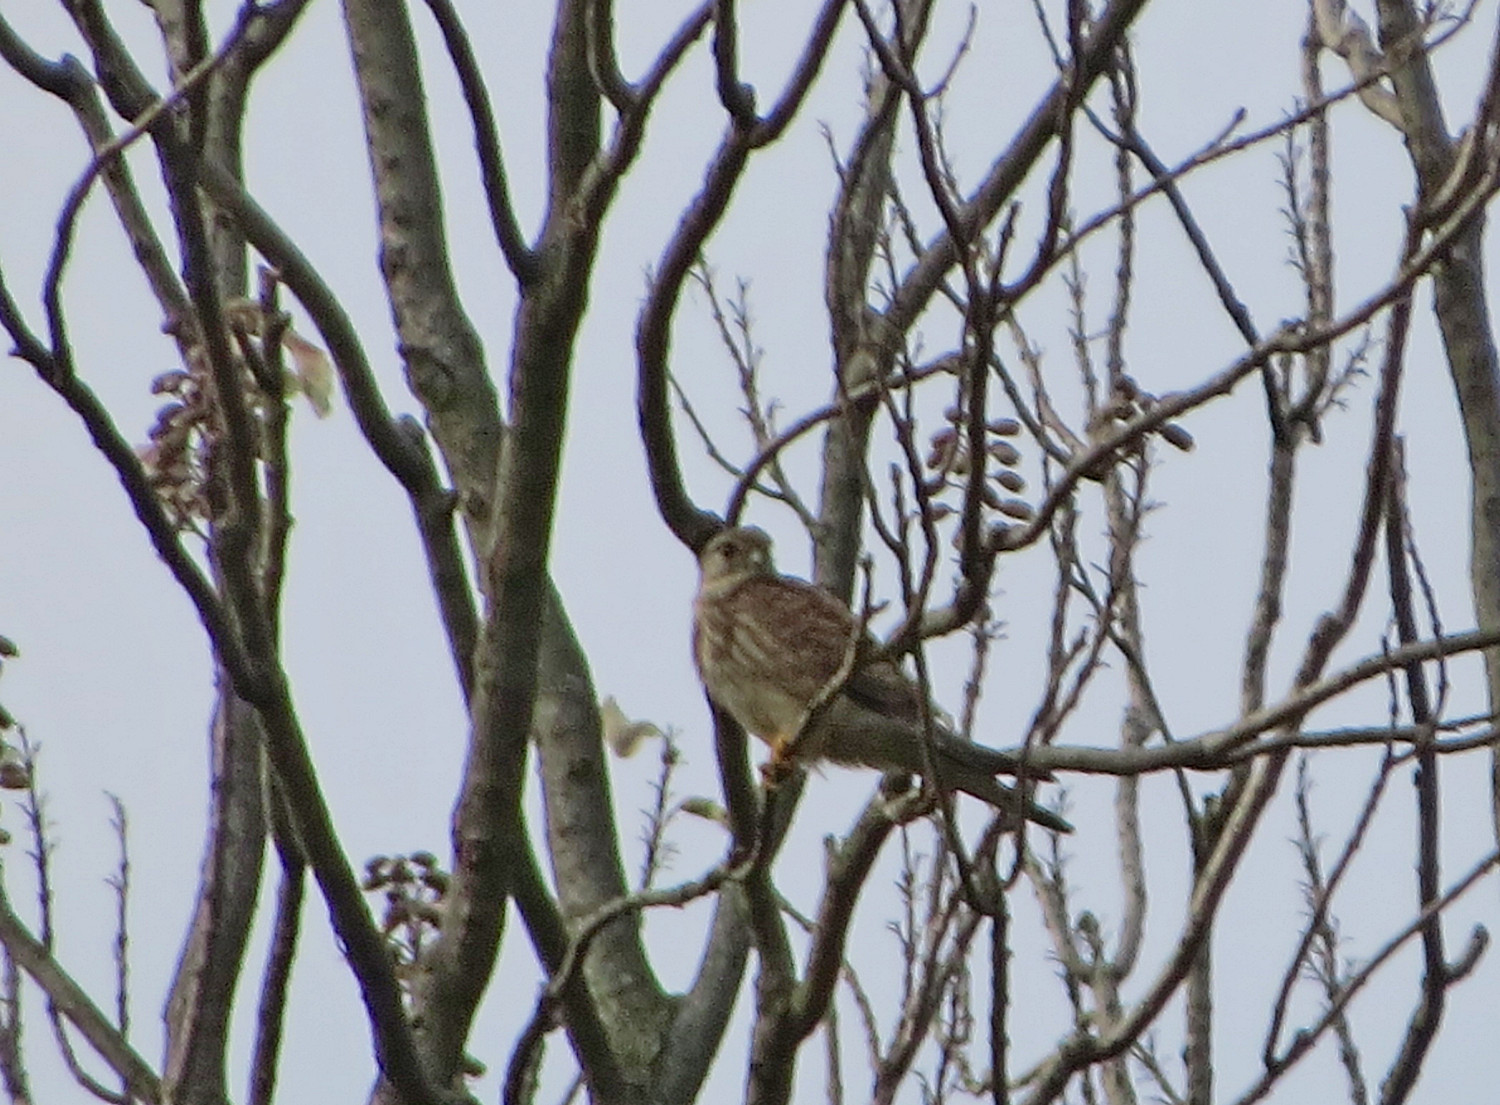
column 768, row 645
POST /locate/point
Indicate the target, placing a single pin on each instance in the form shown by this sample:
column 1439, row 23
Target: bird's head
column 735, row 553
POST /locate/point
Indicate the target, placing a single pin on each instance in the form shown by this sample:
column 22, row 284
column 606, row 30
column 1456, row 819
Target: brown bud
column 944, row 442
column 1005, row 427
column 170, row 382
column 1175, row 435
column 1004, row 452
column 1009, row 480
column 165, row 416
column 15, row 772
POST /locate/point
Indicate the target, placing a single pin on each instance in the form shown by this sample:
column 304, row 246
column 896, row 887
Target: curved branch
column 400, row 445
column 327, row 313
column 692, row 525
column 566, row 969
column 70, row 82
column 443, row 357
column 789, row 1012
column 1013, row 165
column 737, row 99
column 704, row 1010
column 848, row 870
column 122, row 457
column 809, row 65
column 518, row 254
column 69, row 997
column 1305, row 1040
column 271, row 1010
column 1215, row 750
column 604, row 63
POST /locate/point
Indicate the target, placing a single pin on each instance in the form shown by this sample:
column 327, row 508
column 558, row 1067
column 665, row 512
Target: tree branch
column 69, row 997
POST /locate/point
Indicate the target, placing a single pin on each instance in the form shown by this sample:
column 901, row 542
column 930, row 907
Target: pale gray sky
column 114, row 679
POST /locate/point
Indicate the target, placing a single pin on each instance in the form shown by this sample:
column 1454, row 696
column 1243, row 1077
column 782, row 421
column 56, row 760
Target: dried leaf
column 705, row 808
column 244, row 314
column 312, row 371
column 621, row 734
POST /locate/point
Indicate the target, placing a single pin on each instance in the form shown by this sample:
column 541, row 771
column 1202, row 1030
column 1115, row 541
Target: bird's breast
column 746, row 671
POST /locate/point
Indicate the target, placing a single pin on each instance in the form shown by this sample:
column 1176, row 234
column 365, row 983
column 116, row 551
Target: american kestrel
column 768, row 645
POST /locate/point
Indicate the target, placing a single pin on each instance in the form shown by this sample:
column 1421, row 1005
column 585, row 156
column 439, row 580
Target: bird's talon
column 776, row 770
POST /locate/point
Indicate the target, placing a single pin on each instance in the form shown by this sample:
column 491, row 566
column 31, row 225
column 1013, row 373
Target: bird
column 769, row 650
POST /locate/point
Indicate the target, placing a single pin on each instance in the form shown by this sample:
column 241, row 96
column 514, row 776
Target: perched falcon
column 767, row 645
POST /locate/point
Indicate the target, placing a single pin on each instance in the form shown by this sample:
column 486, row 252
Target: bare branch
column 518, row 254
column 1305, row 1040
column 68, row 996
column 1341, row 30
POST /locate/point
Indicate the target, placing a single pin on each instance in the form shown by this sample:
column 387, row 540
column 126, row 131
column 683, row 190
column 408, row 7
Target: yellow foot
column 778, row 768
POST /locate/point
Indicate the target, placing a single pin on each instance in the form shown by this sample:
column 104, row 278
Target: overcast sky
column 115, row 683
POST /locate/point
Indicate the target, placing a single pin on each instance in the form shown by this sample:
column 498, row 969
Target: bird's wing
column 853, row 734
column 882, row 686
column 821, row 639
column 798, row 634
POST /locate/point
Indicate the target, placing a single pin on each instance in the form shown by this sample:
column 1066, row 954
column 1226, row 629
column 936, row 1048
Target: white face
column 737, row 551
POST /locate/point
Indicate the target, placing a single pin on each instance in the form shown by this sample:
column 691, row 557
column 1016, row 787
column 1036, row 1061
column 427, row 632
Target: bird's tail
column 850, row 735
column 1004, row 798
